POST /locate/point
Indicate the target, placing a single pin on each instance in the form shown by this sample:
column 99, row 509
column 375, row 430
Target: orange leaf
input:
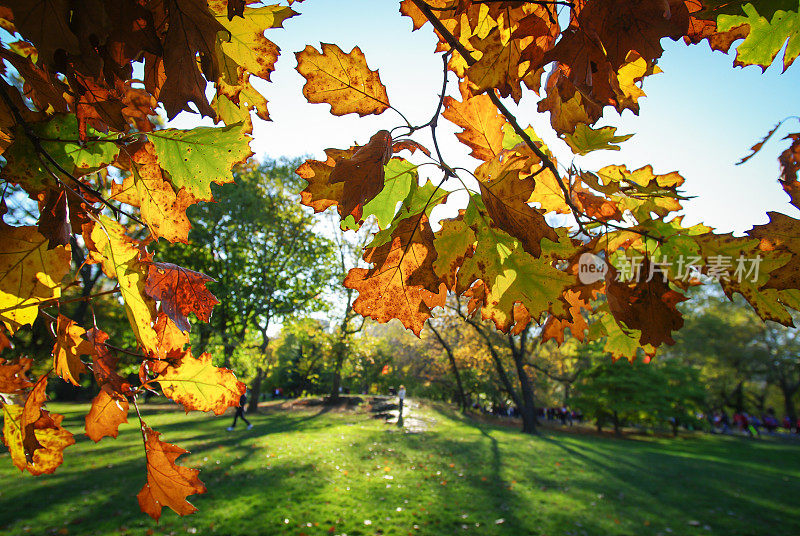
column 342, row 80
column 69, row 346
column 482, row 124
column 109, row 410
column 167, row 484
column 181, row 291
column 401, row 283
column 13, row 374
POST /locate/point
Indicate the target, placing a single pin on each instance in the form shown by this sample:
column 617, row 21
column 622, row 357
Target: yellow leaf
column 200, row 386
column 29, row 274
column 119, row 256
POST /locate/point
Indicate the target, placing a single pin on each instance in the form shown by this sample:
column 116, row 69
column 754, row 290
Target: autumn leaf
column 766, row 37
column 168, row 484
column 200, row 386
column 34, row 437
column 69, row 346
column 362, row 174
column 181, row 291
column 585, row 139
column 13, row 374
column 104, row 363
column 401, row 282
column 195, row 158
column 342, row 80
column 109, row 410
column 30, row 274
column 482, row 125
column 162, row 208
column 505, row 196
column 648, row 306
column 118, row 255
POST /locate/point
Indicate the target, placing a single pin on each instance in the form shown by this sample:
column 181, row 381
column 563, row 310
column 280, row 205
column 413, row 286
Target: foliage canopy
column 83, row 82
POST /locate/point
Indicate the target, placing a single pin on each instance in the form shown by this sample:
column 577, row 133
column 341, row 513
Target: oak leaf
column 191, row 29
column 13, row 374
column 181, row 291
column 401, row 282
column 481, row 122
column 320, row 192
column 342, row 80
column 505, row 196
column 30, row 274
column 195, row 158
column 647, row 306
column 109, row 410
column 119, row 256
column 104, row 363
column 162, row 208
column 68, row 348
column 200, row 386
column 362, row 174
column 51, row 437
column 168, row 484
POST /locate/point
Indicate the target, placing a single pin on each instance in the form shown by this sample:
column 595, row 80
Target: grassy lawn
column 315, row 472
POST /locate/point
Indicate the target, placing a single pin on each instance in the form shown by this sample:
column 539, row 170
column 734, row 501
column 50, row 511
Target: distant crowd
column 752, row 425
column 555, row 414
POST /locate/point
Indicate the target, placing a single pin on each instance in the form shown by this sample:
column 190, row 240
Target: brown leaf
column 104, row 364
column 781, row 234
column 401, row 283
column 54, row 218
column 168, row 484
column 362, row 174
column 505, row 196
column 191, row 30
column 47, row 24
column 181, row 291
column 790, row 165
column 647, row 306
column 109, row 410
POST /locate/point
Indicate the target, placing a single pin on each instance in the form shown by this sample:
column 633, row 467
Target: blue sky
column 700, row 115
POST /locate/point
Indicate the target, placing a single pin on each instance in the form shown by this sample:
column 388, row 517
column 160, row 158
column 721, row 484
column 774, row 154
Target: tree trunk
column 255, row 391
column 788, row 392
column 528, row 408
column 462, row 400
column 617, row 424
column 341, row 348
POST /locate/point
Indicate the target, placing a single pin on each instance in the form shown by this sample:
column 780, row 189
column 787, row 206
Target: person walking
column 401, row 396
column 240, row 413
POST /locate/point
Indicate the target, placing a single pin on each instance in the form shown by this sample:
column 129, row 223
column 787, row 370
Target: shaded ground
column 319, row 470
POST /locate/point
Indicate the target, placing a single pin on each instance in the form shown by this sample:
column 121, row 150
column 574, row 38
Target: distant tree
column 265, row 253
column 621, row 392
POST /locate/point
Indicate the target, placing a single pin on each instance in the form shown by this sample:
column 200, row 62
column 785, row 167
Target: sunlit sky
column 699, row 118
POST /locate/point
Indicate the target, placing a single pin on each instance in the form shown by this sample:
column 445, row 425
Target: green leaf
column 195, row 158
column 585, row 139
column 400, row 175
column 425, row 197
column 511, row 139
column 766, row 37
column 59, row 138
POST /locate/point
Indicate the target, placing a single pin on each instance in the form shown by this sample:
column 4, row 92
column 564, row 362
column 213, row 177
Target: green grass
column 303, row 472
